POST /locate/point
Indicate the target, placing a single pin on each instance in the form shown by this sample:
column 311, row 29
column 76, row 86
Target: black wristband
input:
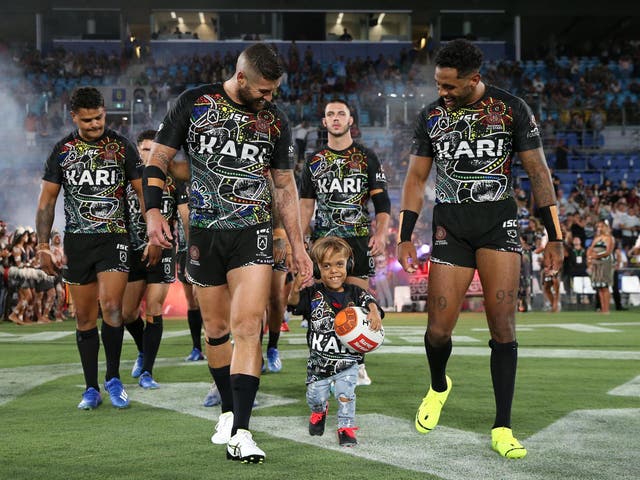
column 381, row 202
column 551, row 222
column 408, row 219
column 152, row 193
column 152, row 197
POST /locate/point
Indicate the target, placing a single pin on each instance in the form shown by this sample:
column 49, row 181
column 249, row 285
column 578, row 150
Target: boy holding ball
column 330, row 362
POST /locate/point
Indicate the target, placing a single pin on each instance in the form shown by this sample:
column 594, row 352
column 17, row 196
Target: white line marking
column 587, row 444
column 629, row 389
column 37, row 337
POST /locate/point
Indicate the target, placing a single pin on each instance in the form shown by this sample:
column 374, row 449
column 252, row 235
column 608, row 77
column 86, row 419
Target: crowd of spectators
column 580, row 210
column 568, row 92
column 27, row 294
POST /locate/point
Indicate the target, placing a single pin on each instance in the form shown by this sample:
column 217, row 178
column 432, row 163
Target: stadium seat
column 566, row 177
column 620, row 161
column 577, row 162
column 630, row 284
column 592, row 178
column 572, row 139
column 616, row 175
column 401, row 297
column 365, row 121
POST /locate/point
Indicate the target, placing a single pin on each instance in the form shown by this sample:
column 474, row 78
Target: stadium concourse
column 586, row 102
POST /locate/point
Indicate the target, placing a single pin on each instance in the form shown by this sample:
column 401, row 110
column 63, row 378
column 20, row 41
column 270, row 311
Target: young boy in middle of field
column 329, row 361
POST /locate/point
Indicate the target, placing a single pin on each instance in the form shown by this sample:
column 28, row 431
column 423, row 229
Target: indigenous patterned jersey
column 341, row 182
column 230, row 150
column 174, row 194
column 94, row 176
column 473, row 146
column 327, row 355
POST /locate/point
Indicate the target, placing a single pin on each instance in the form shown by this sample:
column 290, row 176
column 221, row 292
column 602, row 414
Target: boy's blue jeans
column 318, row 393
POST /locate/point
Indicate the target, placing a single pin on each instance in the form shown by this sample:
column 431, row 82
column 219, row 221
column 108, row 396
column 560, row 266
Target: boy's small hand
column 375, row 322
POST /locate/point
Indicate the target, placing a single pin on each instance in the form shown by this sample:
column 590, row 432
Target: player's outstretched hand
column 158, row 229
column 304, row 267
column 553, row 257
column 407, row 256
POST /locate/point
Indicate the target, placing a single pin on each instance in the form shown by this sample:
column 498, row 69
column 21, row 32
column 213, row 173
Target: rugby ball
column 352, row 327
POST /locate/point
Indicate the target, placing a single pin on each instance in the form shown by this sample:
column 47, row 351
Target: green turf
column 43, row 435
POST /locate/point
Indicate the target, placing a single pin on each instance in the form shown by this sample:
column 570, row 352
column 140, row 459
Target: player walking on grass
column 340, row 179
column 94, row 166
column 234, row 137
column 152, row 271
column 329, row 361
column 471, row 134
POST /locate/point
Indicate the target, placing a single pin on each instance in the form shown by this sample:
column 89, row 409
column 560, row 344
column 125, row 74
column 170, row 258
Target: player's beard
column 339, row 133
column 253, row 104
column 464, row 99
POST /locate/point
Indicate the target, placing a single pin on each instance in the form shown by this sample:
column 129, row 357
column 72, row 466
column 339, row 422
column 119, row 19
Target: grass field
column 576, row 409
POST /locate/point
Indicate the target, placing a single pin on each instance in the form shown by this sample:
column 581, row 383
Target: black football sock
column 223, row 382
column 88, row 346
column 273, row 339
column 244, row 388
column 152, row 337
column 136, row 330
column 438, row 358
column 112, row 341
column 194, row 318
column 504, row 360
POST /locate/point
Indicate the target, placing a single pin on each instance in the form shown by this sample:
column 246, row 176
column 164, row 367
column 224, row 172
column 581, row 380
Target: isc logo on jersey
column 336, row 185
column 98, row 177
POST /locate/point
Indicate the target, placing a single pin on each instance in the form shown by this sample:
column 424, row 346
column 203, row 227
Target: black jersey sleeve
column 173, row 129
column 364, row 298
column 304, row 303
column 375, row 173
column 132, row 161
column 526, row 134
column 421, row 143
column 52, row 169
column 283, row 151
column 307, row 189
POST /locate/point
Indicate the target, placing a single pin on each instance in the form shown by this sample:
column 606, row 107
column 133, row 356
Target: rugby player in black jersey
column 93, row 165
column 234, row 137
column 340, row 179
column 152, row 270
column 471, row 134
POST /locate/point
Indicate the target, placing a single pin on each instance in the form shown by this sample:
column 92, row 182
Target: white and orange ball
column 352, row 327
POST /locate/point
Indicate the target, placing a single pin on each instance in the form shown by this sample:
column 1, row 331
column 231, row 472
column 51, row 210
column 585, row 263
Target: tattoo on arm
column 285, row 199
column 535, row 165
column 163, row 159
column 44, row 222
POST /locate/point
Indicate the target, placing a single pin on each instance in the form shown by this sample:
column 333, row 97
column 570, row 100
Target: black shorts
column 88, row 254
column 364, row 265
column 181, row 267
column 162, row 272
column 461, row 229
column 213, row 253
